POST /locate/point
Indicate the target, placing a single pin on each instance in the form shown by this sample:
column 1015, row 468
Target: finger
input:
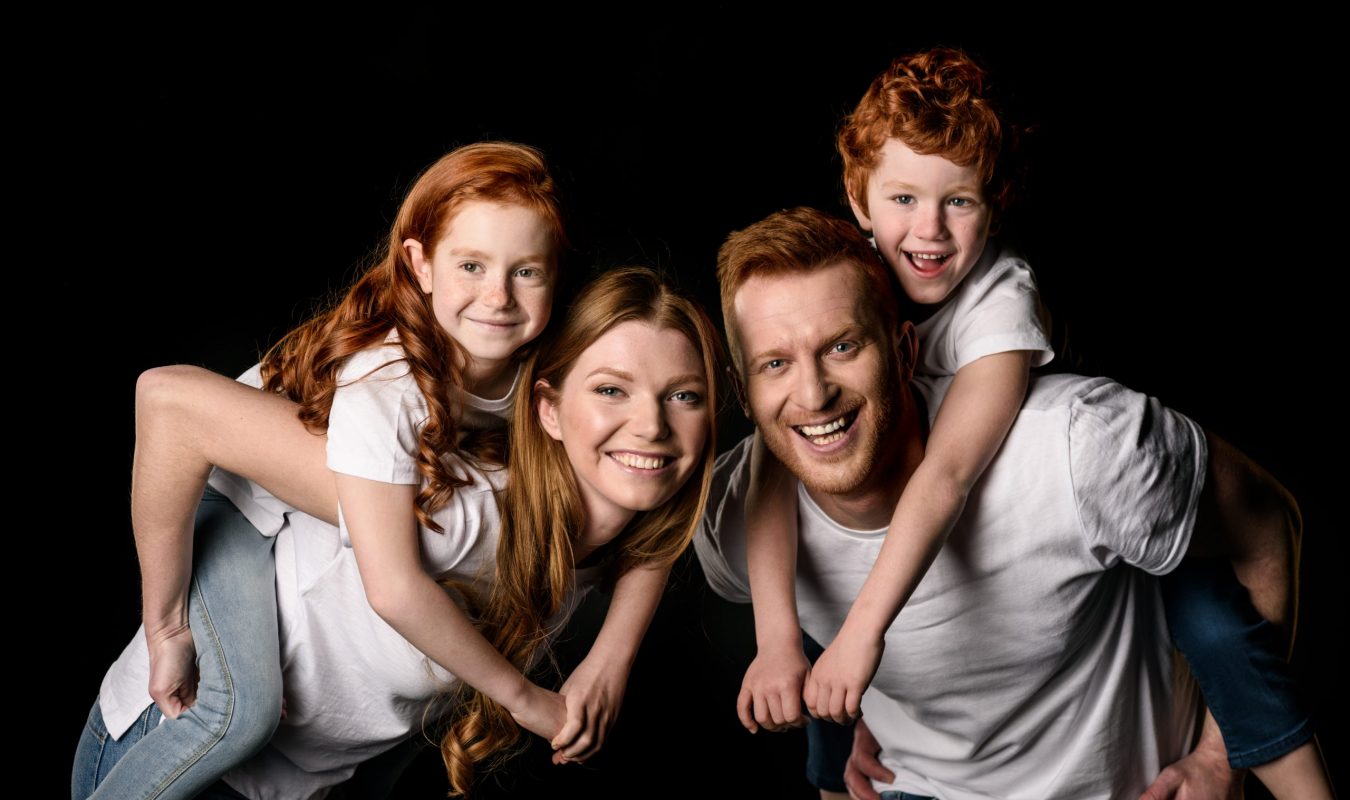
column 744, row 700
column 762, row 711
column 868, row 764
column 853, row 704
column 859, row 787
column 810, row 694
column 1164, row 787
column 791, row 704
column 577, row 750
column 835, row 707
column 775, row 708
column 571, row 728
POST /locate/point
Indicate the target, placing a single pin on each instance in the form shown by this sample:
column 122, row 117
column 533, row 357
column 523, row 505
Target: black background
column 205, row 185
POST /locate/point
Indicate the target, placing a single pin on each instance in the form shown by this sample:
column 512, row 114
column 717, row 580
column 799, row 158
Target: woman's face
column 633, row 417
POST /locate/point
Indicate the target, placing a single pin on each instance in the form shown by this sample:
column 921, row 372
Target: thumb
column 1164, row 787
column 571, row 727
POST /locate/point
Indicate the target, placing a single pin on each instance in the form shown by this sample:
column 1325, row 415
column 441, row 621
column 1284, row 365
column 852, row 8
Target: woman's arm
column 383, row 531
column 188, row 419
column 971, row 424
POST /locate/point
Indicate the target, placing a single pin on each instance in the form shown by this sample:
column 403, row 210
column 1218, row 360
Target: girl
column 925, row 172
column 391, row 409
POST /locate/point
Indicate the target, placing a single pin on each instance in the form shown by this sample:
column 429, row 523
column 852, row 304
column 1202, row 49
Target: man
column 1030, row 661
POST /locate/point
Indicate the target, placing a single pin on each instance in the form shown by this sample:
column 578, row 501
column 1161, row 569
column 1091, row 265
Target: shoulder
column 720, row 540
column 385, row 363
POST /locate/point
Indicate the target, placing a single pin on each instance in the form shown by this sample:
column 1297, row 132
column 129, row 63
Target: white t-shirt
column 353, row 686
column 995, row 309
column 1030, row 661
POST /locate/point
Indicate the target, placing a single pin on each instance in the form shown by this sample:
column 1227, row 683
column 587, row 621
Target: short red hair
column 935, row 103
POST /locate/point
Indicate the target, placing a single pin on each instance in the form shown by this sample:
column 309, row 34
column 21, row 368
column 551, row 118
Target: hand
column 540, row 711
column 593, row 694
column 863, row 767
column 835, row 685
column 173, row 670
column 1202, row 775
column 772, row 689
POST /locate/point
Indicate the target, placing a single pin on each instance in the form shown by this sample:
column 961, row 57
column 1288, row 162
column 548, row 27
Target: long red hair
column 304, row 365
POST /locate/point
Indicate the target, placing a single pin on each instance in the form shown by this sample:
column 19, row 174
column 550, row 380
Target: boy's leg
column 233, row 614
column 828, row 744
column 1237, row 658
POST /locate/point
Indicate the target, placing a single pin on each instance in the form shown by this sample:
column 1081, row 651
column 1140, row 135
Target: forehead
column 798, row 310
column 900, row 164
column 481, row 225
column 642, row 350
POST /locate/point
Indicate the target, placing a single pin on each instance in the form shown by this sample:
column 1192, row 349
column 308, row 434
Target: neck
column 871, row 505
column 488, row 379
column 602, row 526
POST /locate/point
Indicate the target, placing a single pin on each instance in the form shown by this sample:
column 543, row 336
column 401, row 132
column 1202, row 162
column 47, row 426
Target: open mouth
column 643, row 462
column 827, row 432
column 928, row 263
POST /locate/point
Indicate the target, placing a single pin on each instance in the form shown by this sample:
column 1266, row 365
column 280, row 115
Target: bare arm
column 594, row 691
column 384, row 536
column 771, row 691
column 971, row 424
column 188, row 419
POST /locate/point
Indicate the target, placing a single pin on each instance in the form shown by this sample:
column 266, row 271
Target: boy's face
column 929, row 217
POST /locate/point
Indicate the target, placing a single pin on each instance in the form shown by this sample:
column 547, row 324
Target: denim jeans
column 1238, row 660
column 233, row 614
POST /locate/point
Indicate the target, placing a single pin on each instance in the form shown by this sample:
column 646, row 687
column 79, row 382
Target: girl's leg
column 1237, row 657
column 233, row 614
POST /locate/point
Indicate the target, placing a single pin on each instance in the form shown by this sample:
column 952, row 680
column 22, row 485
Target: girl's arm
column 971, row 424
column 384, row 536
column 187, row 419
column 771, row 691
column 594, row 690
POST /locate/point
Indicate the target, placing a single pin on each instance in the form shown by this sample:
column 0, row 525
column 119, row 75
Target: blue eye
column 903, row 199
column 774, row 364
column 686, row 396
column 961, row 202
column 608, row 391
column 843, row 349
column 529, row 272
column 471, row 266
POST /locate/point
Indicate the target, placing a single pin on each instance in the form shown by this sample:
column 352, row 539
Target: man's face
column 819, row 376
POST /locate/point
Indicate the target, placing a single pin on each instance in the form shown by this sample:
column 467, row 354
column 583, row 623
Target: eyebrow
column 691, row 377
column 481, row 256
column 618, row 373
column 960, row 187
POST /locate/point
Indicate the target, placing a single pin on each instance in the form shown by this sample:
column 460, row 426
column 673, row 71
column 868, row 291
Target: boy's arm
column 771, row 691
column 594, row 690
column 972, row 422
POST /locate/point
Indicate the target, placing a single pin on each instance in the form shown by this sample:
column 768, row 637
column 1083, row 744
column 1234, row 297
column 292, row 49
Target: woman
column 610, row 455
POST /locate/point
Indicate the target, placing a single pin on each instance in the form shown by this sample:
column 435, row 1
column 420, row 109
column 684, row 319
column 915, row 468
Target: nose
column 931, row 222
column 814, row 390
column 498, row 294
column 649, row 420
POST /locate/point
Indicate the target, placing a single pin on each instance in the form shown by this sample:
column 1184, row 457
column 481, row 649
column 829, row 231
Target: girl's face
column 930, row 220
column 491, row 279
column 633, row 416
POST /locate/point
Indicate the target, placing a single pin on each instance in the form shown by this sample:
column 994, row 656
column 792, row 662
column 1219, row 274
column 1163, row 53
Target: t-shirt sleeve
column 376, row 416
column 1001, row 312
column 1138, row 469
column 720, row 540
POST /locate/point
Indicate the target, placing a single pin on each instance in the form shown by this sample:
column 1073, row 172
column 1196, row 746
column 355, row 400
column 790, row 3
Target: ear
column 420, row 263
column 906, row 350
column 864, row 221
column 547, row 409
column 738, row 386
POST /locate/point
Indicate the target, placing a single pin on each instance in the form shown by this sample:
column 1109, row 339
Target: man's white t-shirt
column 1030, row 661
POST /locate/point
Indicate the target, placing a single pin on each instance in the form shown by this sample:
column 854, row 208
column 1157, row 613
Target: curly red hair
column 936, row 103
column 304, row 364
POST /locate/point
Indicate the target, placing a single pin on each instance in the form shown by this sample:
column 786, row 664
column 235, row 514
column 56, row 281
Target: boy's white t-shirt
column 1030, row 661
column 353, row 686
column 996, row 309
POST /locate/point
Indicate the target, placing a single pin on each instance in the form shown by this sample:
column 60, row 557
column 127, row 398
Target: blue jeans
column 1238, row 660
column 232, row 608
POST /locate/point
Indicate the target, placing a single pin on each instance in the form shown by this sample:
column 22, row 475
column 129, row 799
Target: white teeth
column 928, row 256
column 638, row 462
column 821, row 430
